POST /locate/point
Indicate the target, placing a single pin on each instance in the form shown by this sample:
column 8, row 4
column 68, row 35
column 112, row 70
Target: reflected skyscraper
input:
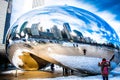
column 67, row 30
column 56, row 32
column 41, row 29
column 37, row 52
column 34, row 29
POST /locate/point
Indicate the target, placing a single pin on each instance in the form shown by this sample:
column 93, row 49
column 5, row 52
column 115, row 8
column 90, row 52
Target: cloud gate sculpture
column 64, row 35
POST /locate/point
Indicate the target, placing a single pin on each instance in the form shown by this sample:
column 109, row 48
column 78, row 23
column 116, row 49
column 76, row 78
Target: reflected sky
column 113, row 6
column 83, row 21
column 105, row 10
column 45, row 29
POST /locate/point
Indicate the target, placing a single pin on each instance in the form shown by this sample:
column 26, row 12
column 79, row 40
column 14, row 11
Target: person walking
column 52, row 67
column 84, row 51
column 65, row 71
column 104, row 68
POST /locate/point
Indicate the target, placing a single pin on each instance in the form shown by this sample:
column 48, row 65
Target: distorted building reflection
column 39, row 38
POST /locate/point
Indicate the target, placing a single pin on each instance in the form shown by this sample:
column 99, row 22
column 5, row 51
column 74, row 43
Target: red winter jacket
column 104, row 67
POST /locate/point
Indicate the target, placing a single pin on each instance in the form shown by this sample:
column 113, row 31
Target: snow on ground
column 114, row 75
column 99, row 77
column 58, row 69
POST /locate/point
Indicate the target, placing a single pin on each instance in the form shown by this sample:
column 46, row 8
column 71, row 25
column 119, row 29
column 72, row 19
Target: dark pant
column 105, row 77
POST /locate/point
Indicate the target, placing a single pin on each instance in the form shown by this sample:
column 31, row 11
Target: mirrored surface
column 44, row 33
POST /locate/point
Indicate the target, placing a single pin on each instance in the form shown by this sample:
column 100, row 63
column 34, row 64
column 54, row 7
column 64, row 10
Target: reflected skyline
column 88, row 27
column 56, row 34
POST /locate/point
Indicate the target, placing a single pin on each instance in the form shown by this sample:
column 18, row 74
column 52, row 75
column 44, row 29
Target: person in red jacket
column 104, row 68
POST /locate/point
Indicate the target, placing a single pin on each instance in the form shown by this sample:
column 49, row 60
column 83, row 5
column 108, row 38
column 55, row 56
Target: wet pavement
column 25, row 75
column 16, row 74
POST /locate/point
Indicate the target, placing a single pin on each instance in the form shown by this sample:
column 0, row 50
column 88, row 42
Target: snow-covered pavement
column 57, row 75
column 98, row 77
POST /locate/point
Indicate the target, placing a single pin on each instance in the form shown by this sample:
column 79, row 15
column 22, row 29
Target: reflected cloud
column 66, row 30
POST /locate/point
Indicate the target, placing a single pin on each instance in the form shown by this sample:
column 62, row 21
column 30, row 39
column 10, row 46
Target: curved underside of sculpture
column 37, row 56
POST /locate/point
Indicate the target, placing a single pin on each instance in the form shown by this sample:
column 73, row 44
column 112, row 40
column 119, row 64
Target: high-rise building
column 37, row 3
column 3, row 11
column 40, row 28
column 56, row 32
column 34, row 29
column 5, row 15
column 67, row 30
column 67, row 27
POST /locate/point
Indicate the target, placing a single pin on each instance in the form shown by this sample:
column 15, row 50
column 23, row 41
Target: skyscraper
column 34, row 29
column 5, row 15
column 3, row 11
column 8, row 16
column 56, row 32
column 37, row 3
column 67, row 30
